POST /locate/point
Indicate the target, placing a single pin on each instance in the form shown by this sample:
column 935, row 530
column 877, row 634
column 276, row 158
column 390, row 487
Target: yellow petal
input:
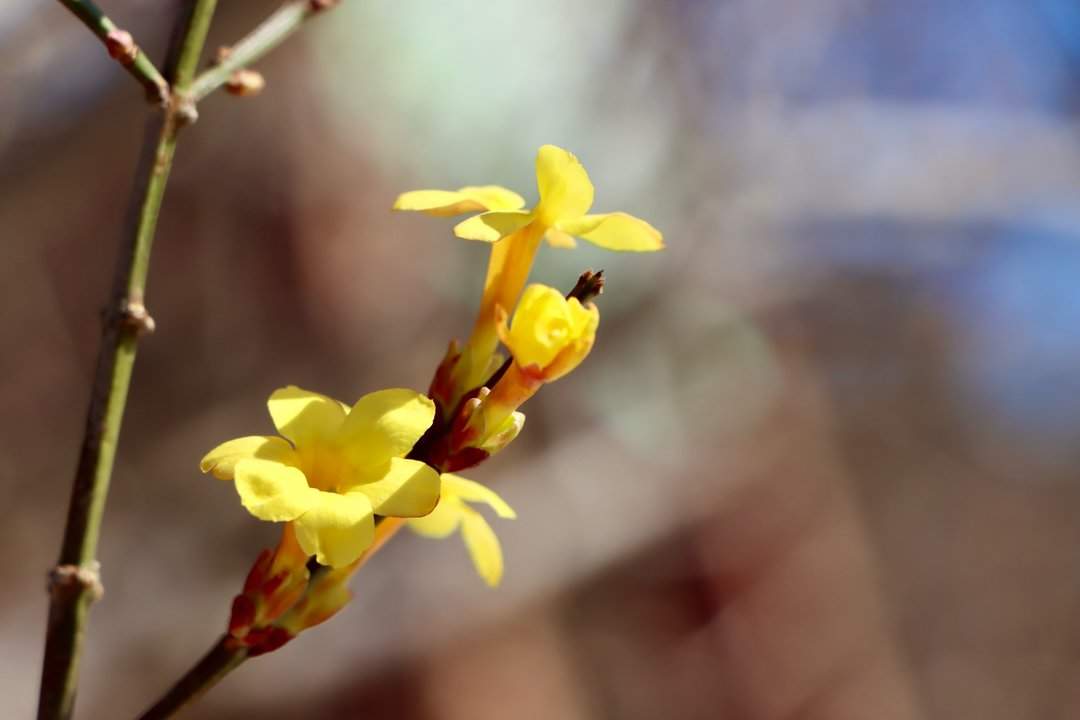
column 385, row 424
column 407, row 488
column 565, row 189
column 616, row 231
column 303, row 416
column 442, row 203
column 272, row 491
column 475, row 492
column 483, row 546
column 221, row 461
column 492, row 226
column 442, row 521
column 337, row 528
column 557, row 238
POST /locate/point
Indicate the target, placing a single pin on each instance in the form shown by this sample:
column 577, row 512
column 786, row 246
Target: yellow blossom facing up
column 566, row 196
column 333, row 468
column 453, row 512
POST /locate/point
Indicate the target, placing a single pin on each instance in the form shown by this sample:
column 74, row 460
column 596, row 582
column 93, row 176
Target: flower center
column 322, row 467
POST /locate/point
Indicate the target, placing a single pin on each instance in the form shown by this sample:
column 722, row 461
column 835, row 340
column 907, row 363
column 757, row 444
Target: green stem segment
column 216, row 664
column 268, row 35
column 132, row 58
column 74, row 582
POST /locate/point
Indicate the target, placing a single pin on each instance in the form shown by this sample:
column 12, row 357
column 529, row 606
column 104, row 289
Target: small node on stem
column 245, row 83
column 221, row 54
column 184, row 109
column 122, row 47
column 320, row 5
column 134, row 315
column 70, row 579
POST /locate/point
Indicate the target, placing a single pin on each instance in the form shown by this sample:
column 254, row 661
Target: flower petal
column 565, row 189
column 385, row 424
column 471, row 491
column 408, row 488
column 303, row 416
column 616, row 231
column 557, row 238
column 483, row 546
column 443, row 203
column 221, row 461
column 440, row 522
column 492, row 226
column 272, row 491
column 337, row 528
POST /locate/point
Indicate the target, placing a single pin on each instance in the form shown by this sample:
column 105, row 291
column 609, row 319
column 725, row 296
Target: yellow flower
column 453, row 512
column 549, row 335
column 566, row 195
column 333, row 468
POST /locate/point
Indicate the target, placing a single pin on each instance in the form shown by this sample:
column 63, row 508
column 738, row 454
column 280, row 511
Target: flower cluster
column 343, row 479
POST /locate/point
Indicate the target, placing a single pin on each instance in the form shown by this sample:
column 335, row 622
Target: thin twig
column 221, row 660
column 268, row 35
column 122, row 48
column 74, row 583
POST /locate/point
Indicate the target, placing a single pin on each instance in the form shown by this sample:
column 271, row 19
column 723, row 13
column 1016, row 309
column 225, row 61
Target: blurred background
column 823, row 462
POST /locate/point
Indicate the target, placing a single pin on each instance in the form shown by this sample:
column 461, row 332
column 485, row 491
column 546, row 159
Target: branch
column 74, row 582
column 216, row 664
column 268, row 35
column 122, row 48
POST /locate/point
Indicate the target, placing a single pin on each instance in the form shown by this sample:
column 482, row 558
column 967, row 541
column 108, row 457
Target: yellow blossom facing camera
column 549, row 334
column 453, row 512
column 566, row 196
column 333, row 468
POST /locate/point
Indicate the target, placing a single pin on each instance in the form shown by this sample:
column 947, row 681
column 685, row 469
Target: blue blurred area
column 1020, row 308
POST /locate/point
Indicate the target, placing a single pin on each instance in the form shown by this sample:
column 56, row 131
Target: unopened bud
column 245, row 83
column 509, row 429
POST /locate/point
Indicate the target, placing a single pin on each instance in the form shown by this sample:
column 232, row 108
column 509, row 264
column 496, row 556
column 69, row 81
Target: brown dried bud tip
column 135, row 316
column 245, row 83
column 121, row 47
column 588, row 286
column 320, row 5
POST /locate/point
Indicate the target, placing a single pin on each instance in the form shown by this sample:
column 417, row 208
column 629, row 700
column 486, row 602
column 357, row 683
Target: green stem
column 208, row 672
column 269, row 34
column 140, row 66
column 74, row 582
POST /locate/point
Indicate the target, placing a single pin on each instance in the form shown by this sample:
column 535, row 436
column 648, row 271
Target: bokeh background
column 823, row 462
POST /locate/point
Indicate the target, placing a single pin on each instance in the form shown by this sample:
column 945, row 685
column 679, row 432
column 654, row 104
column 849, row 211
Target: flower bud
column 548, row 335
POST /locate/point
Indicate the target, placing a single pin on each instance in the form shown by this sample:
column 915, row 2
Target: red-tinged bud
column 242, row 616
column 257, row 574
column 281, row 601
column 442, row 385
column 275, row 582
column 464, row 459
column 268, row 639
column 325, row 596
